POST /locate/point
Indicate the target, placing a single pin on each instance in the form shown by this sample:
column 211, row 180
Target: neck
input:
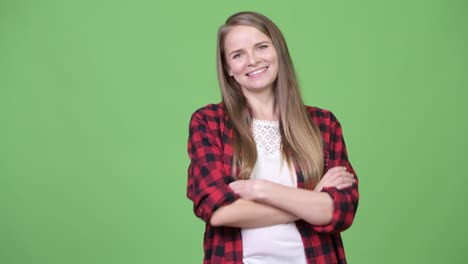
column 263, row 105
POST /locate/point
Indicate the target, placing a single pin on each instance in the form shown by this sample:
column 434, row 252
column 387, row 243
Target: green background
column 95, row 99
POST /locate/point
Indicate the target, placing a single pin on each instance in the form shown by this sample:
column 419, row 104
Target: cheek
column 236, row 68
column 272, row 57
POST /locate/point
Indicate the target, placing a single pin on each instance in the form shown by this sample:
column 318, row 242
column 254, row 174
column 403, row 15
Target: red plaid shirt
column 211, row 150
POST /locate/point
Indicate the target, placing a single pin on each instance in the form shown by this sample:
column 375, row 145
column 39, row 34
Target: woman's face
column 251, row 59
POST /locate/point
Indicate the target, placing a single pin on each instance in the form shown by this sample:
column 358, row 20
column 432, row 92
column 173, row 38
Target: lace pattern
column 267, row 137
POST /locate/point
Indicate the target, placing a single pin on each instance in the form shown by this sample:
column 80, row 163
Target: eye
column 264, row 46
column 237, row 55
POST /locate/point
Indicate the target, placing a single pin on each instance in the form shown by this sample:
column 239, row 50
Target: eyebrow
column 258, row 44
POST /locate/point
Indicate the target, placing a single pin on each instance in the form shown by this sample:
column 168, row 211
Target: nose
column 253, row 58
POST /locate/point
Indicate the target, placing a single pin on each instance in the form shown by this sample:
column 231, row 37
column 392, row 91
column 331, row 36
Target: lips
column 257, row 72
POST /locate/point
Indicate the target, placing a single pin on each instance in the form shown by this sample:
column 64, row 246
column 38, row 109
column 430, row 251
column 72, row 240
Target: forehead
column 241, row 37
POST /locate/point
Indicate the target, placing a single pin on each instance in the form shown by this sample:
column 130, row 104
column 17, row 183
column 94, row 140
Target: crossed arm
column 265, row 203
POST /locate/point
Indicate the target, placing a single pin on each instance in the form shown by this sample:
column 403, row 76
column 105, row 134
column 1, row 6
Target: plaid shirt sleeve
column 207, row 178
column 345, row 201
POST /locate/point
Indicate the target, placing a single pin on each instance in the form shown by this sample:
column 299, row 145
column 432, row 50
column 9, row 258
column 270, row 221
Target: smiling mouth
column 257, row 72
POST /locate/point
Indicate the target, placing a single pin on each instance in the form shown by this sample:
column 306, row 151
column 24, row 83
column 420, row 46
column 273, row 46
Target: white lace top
column 276, row 244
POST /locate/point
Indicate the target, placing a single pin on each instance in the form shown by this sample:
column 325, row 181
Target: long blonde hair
column 301, row 138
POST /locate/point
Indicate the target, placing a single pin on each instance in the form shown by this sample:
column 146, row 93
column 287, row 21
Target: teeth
column 257, row 71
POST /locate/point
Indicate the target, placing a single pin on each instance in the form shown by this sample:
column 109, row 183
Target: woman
column 269, row 175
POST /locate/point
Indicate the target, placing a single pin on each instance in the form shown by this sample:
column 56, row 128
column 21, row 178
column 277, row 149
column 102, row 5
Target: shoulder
column 210, row 111
column 211, row 115
column 322, row 117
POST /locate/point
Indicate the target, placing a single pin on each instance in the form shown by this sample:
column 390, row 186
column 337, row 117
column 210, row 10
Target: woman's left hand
column 253, row 189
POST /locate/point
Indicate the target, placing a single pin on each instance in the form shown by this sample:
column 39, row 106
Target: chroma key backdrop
column 96, row 96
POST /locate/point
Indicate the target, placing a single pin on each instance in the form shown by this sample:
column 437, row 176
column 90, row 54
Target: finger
column 332, row 175
column 237, row 183
column 341, row 179
column 345, row 174
column 330, row 180
column 336, row 169
column 344, row 185
column 236, row 186
column 341, row 174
